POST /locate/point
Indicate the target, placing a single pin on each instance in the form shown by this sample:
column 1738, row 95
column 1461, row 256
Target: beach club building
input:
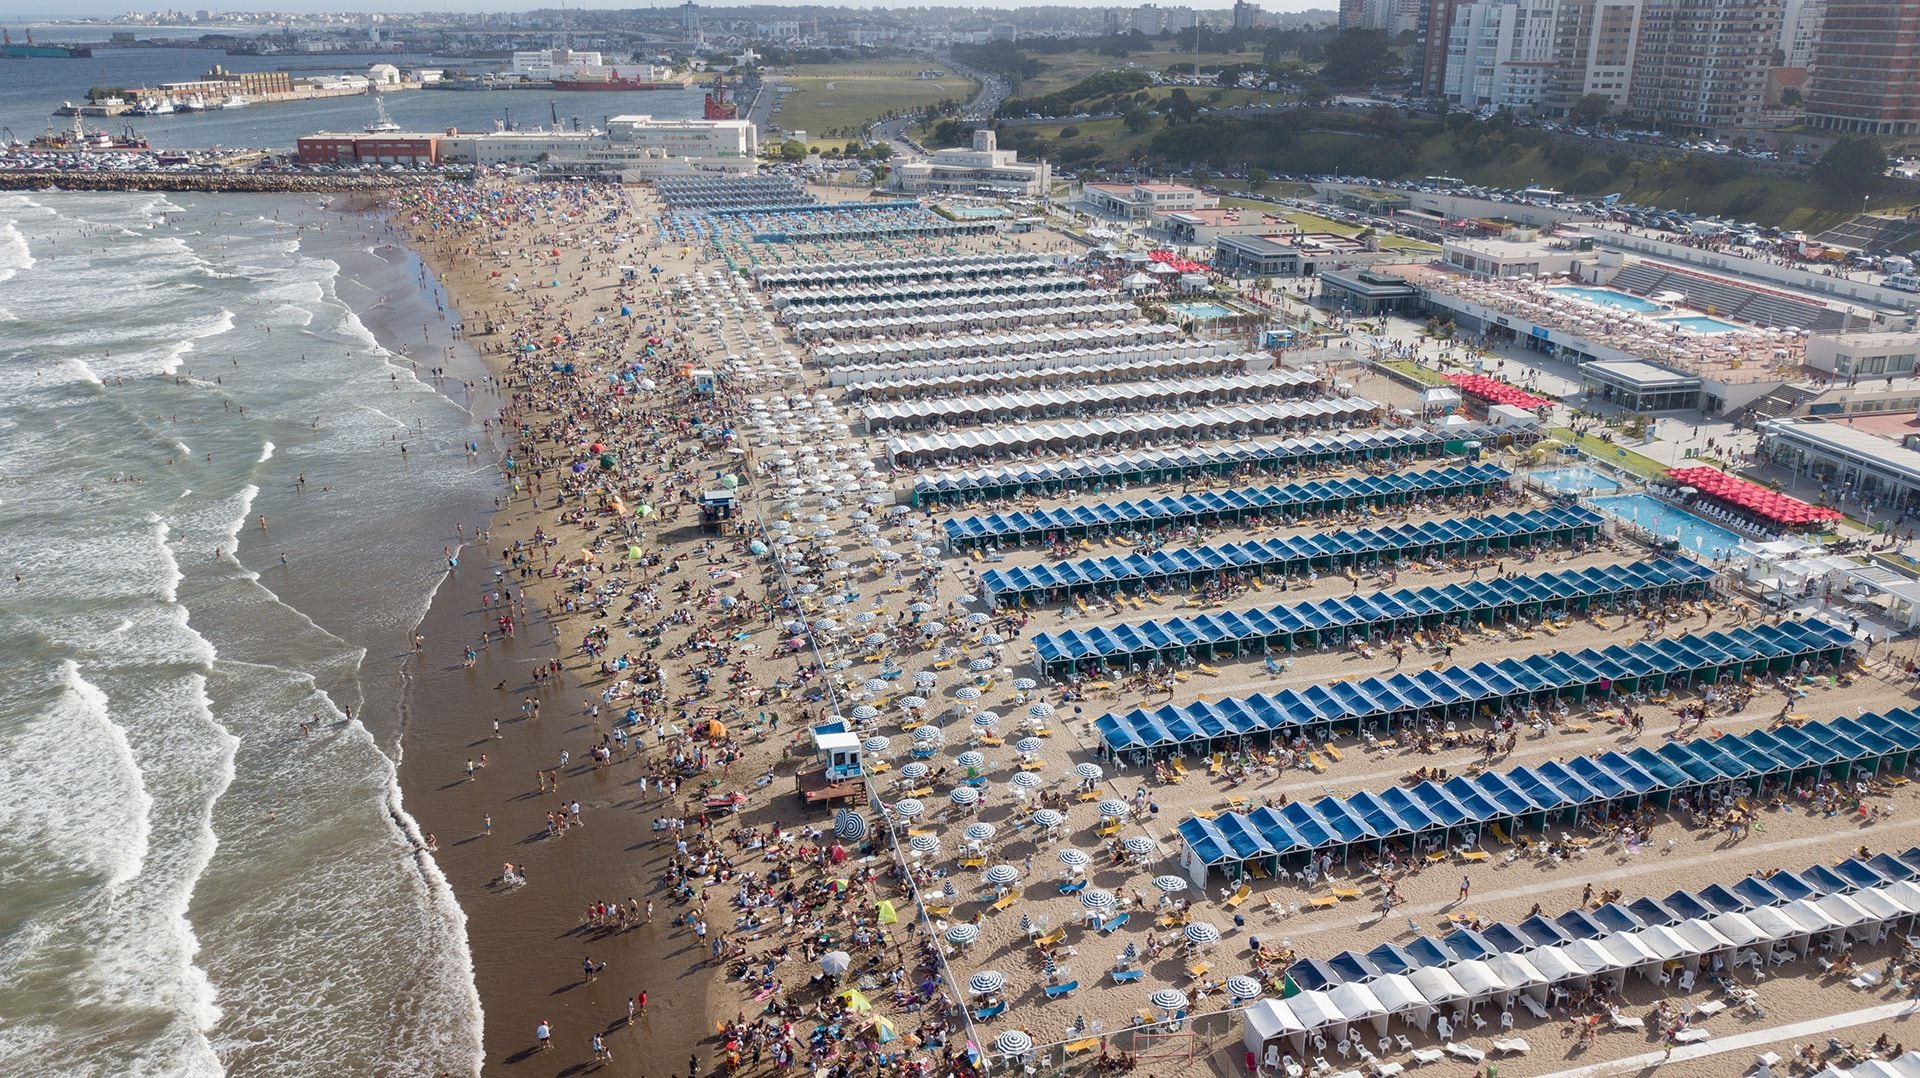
column 354, row 148
column 1140, row 201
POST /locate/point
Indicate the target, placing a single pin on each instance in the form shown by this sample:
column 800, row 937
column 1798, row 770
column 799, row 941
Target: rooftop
column 1867, row 448
column 1640, row 375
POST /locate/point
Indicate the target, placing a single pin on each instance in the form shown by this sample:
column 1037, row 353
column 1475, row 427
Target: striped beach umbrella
column 1025, row 684
column 1167, row 999
column 1041, row 711
column 876, row 684
column 1170, row 884
column 1089, row 772
column 1002, row 875
column 908, row 808
column 925, row 844
column 1073, row 858
column 1114, row 809
column 849, row 825
column 1202, row 933
column 865, row 617
column 1242, row 987
column 913, row 703
column 980, row 666
column 876, row 744
column 1029, row 745
column 986, row 720
column 864, row 712
column 966, row 692
column 978, row 832
column 964, row 795
column 874, row 640
column 926, row 735
column 926, row 677
column 986, row 982
column 993, row 640
column 963, row 933
column 914, row 771
column 1026, row 780
column 970, row 758
column 976, row 618
column 1137, row 845
column 1045, row 818
column 1097, row 900
column 1013, row 1043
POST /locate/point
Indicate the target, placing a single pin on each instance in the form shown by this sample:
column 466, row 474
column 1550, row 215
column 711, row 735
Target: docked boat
column 153, row 106
column 382, row 123
column 196, row 103
column 234, row 101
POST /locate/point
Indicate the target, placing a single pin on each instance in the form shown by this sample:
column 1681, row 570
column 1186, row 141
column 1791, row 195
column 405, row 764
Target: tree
column 1790, row 97
column 1180, row 107
column 793, row 150
column 1069, row 131
column 1359, row 57
column 1136, row 119
column 1256, row 177
column 1855, row 166
column 1590, row 109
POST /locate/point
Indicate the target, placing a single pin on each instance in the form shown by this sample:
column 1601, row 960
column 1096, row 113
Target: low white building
column 645, row 151
column 556, row 63
column 1140, row 201
column 1864, row 355
column 983, row 169
column 686, row 138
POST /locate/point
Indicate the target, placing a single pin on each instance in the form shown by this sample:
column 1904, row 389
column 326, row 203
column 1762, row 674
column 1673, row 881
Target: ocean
column 189, row 884
column 31, row 89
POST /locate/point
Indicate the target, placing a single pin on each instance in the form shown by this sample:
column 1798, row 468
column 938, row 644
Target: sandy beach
column 594, row 637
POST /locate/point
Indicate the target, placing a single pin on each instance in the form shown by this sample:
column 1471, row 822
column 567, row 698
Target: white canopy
column 1844, row 911
column 1701, row 936
column 1436, row 985
column 1354, row 1002
column 1554, row 964
column 1314, row 1009
column 1475, row 979
column 1736, row 928
column 1809, row 917
column 1589, row 956
column 1663, row 942
column 1903, row 894
column 1265, row 1020
column 1775, row 923
column 1514, row 971
column 1627, row 949
column 1877, row 904
column 1397, row 993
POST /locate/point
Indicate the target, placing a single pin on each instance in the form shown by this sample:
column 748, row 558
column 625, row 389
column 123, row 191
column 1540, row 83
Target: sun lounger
column 1112, row 923
column 1238, row 896
column 1050, row 938
column 1085, row 1044
column 1073, row 888
column 1055, row 991
column 1127, row 976
column 1428, row 1055
column 1512, row 1046
column 981, row 1014
column 1006, row 900
column 1693, row 1035
column 1198, row 970
column 1321, row 902
column 1464, row 1051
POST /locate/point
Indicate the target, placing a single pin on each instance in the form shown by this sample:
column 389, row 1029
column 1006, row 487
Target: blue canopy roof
column 1009, row 585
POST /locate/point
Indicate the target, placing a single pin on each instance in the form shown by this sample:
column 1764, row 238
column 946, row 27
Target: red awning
column 1494, row 391
column 1750, row 497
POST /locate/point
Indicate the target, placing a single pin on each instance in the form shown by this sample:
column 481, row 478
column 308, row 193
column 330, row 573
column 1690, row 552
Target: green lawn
column 1617, row 455
column 1062, row 70
column 830, row 101
column 1423, row 375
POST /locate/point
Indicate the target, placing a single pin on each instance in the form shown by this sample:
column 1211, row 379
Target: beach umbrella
column 908, row 808
column 1114, row 809
column 835, row 963
column 865, row 711
column 1026, row 780
column 874, row 640
column 933, row 628
column 986, row 720
column 1097, row 900
column 1073, row 858
column 965, row 795
column 963, row 933
column 926, row 735
column 913, row 702
column 876, row 684
column 980, row 666
column 1013, row 1043
column 918, row 608
column 1025, row 684
column 1029, row 745
column 1242, row 987
column 977, row 618
column 876, row 744
column 856, row 1000
column 1045, row 818
column 993, row 639
column 914, row 771
column 1041, row 711
column 1170, row 884
column 970, row 758
column 1137, row 845
column 1002, row 875
column 849, row 825
column 1089, row 772
column 1168, row 999
column 1202, row 933
column 839, row 664
column 927, row 678
column 865, row 617
column 966, row 692
column 979, row 832
column 986, row 982
column 925, row 844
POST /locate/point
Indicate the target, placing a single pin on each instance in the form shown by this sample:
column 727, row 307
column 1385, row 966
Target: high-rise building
column 1430, row 47
column 1702, row 64
column 1353, row 14
column 1800, row 31
column 1149, row 19
column 1594, row 45
column 1245, row 16
column 1866, row 69
column 1500, row 54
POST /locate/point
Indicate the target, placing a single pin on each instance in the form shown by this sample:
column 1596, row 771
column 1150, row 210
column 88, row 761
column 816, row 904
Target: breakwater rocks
column 119, row 180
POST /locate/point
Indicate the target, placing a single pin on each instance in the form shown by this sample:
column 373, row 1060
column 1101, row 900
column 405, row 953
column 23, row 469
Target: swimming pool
column 1607, row 297
column 1575, row 479
column 976, row 213
column 1700, row 323
column 1695, row 535
column 1203, row 312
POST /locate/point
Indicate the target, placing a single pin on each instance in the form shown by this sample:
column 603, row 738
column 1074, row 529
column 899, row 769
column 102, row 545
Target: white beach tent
column 1780, row 929
column 1845, row 912
column 1480, row 983
column 1554, row 965
column 1437, row 987
column 1314, row 1010
column 1814, row 921
column 1904, row 894
column 1399, row 996
column 1704, row 939
column 1737, row 928
column 1594, row 961
column 1270, row 1022
column 1627, row 949
column 1517, row 975
column 1883, row 911
column 1357, row 1003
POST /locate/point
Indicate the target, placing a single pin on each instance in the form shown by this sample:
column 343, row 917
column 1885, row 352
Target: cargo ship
column 79, row 138
column 612, row 82
column 30, row 51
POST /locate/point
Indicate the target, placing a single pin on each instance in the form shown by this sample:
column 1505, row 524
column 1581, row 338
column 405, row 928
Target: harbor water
column 205, row 863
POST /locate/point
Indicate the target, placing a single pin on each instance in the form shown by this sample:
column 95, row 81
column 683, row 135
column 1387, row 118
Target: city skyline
column 110, row 9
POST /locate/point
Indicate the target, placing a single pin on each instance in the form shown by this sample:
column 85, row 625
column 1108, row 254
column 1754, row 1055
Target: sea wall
column 320, row 183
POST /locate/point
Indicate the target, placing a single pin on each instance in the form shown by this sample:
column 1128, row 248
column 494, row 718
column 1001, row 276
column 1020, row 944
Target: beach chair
column 1321, row 902
column 1113, row 923
column 1345, row 894
column 1055, row 991
column 1238, row 896
column 972, row 862
column 1207, row 670
column 1198, row 970
column 1050, row 938
column 1085, row 1044
column 1127, row 976
column 1073, row 888
column 1005, row 900
column 1332, row 752
column 1087, row 795
column 1422, row 1056
column 981, row 1014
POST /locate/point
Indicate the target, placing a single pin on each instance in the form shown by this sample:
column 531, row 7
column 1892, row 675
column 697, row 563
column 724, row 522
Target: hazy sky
column 17, row 12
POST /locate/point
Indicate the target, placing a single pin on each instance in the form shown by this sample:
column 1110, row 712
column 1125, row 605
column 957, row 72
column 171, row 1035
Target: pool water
column 1201, row 311
column 1695, row 535
column 1607, row 297
column 976, row 213
column 1575, row 479
column 1700, row 323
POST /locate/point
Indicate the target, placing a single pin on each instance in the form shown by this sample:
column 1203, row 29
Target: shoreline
column 514, row 952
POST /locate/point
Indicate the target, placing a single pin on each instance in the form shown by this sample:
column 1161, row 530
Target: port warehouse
column 627, row 139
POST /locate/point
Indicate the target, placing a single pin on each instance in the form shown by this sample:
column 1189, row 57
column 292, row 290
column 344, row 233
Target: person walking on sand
column 600, row 1053
column 543, row 1034
column 1466, row 888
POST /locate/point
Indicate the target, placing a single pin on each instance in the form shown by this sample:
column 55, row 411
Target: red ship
column 612, row 82
column 718, row 107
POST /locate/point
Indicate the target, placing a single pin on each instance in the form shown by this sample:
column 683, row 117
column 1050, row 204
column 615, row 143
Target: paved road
column 986, row 101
